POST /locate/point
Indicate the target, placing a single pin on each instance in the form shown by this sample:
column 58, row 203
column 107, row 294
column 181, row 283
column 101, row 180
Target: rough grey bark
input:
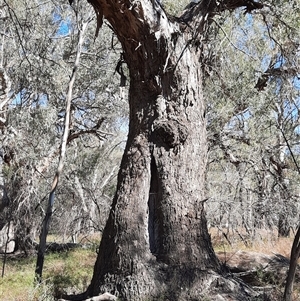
column 156, row 244
column 295, row 251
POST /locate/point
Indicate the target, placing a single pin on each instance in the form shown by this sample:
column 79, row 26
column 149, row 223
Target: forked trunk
column 156, row 244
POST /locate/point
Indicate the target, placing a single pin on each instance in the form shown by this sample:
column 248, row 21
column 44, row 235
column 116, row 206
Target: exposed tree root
column 208, row 286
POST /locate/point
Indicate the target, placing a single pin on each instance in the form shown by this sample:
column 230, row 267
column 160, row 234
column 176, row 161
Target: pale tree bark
column 156, row 244
column 65, row 137
column 5, row 86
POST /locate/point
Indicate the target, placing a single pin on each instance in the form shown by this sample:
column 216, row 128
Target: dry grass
column 71, row 271
column 263, row 241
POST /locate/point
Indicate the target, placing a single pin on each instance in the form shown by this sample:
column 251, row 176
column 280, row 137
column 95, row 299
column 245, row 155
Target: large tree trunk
column 156, row 238
column 157, row 228
column 156, row 243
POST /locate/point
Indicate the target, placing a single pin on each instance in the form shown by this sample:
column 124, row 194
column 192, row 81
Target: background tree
column 247, row 150
column 43, row 48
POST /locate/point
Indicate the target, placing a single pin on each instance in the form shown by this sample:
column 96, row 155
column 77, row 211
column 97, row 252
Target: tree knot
column 169, row 133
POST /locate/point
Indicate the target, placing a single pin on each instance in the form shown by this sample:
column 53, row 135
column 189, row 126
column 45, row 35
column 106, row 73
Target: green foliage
column 246, row 120
column 39, row 58
column 175, row 7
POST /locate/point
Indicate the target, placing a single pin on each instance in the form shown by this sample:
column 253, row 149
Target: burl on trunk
column 156, row 244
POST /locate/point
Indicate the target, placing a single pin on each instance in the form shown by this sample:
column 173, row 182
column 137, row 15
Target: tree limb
column 212, row 7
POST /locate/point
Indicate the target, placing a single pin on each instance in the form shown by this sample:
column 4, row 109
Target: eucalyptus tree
column 252, row 83
column 38, row 56
column 155, row 244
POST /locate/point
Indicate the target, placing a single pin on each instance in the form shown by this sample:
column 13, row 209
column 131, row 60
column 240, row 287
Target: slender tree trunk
column 295, row 253
column 5, row 250
column 47, row 218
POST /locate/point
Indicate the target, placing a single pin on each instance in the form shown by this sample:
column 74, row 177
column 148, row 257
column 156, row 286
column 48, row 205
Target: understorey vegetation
column 263, row 265
column 145, row 145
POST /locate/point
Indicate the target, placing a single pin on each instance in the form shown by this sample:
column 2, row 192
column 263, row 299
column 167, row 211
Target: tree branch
column 129, row 17
column 209, row 8
column 249, row 5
